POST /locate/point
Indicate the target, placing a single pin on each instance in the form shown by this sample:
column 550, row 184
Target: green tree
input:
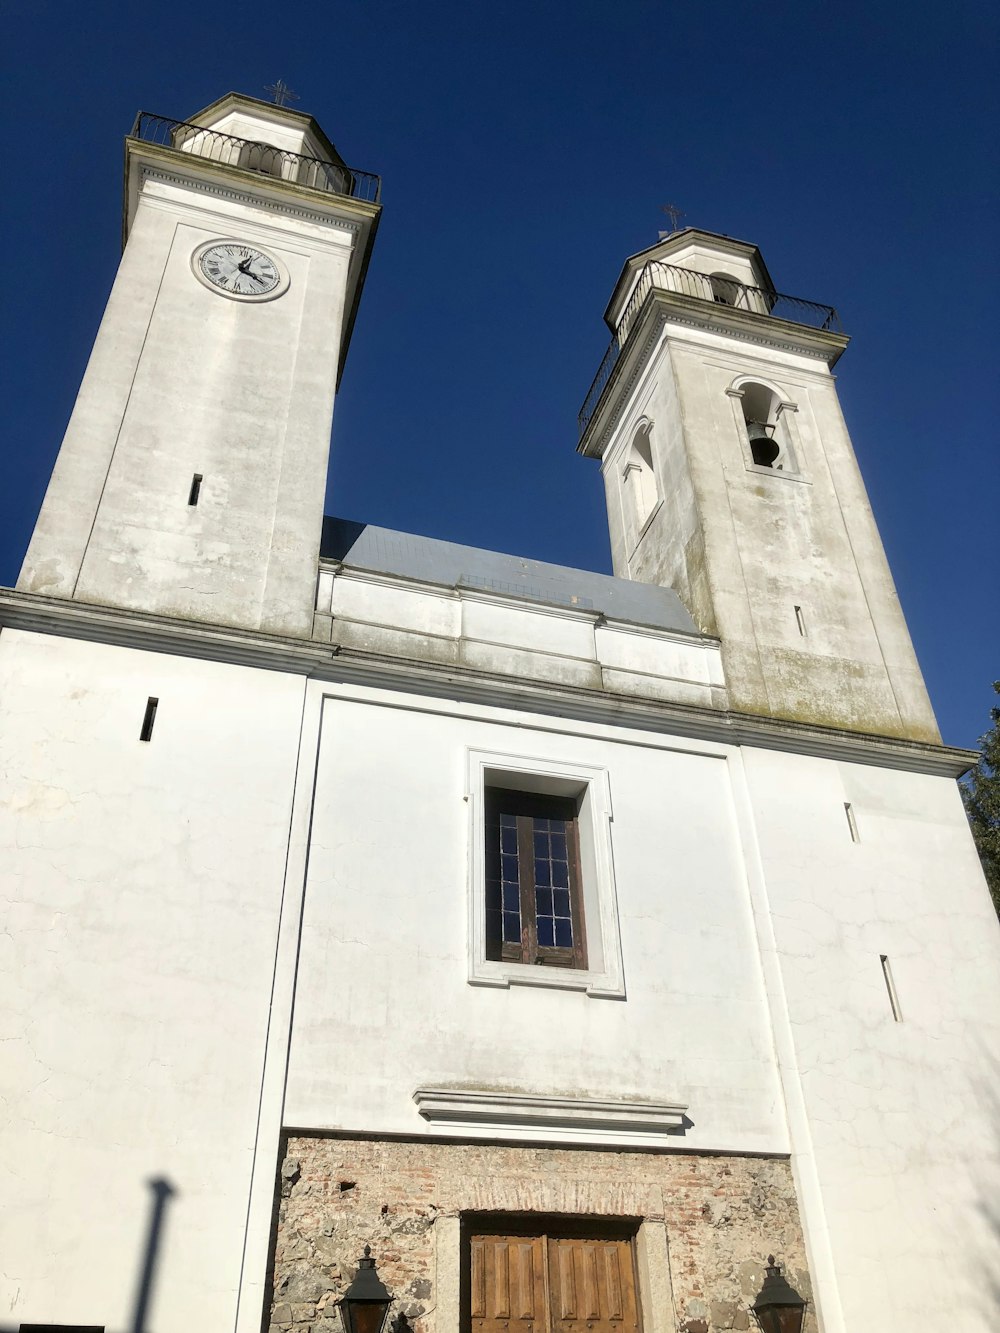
column 981, row 794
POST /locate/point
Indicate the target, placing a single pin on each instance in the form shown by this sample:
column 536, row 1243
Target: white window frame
column 604, row 975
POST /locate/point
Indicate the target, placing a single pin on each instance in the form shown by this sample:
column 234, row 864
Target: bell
column 762, row 444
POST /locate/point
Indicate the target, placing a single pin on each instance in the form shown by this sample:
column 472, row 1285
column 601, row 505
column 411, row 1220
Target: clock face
column 239, row 269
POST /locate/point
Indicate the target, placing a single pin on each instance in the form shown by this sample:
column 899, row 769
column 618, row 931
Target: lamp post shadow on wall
column 162, row 1191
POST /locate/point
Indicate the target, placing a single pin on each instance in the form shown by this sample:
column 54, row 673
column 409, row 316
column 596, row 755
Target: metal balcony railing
column 707, row 287
column 251, row 155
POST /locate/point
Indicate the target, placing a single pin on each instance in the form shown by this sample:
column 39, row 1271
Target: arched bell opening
column 760, row 417
column 261, row 157
column 726, row 290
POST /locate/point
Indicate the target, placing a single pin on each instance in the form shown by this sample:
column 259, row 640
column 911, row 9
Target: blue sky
column 525, row 150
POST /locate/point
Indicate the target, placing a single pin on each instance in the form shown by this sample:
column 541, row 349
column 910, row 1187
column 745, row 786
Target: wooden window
column 534, row 904
column 555, row 1282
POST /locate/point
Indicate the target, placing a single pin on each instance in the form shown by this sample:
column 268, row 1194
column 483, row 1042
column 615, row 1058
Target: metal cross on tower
column 673, row 213
column 281, row 93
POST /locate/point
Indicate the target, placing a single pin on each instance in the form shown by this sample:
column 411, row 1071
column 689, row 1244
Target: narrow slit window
column 149, row 717
column 852, row 822
column 60, row 1328
column 195, row 490
column 800, row 620
column 890, row 986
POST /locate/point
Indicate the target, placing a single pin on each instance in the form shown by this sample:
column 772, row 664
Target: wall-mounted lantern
column 365, row 1303
column 778, row 1308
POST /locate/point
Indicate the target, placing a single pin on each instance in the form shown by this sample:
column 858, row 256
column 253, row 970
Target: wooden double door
column 552, row 1283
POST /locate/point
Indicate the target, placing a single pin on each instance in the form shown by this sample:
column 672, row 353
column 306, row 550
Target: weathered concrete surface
column 140, row 898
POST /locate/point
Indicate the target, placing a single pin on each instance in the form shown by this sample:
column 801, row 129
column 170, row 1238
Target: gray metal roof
column 364, row 546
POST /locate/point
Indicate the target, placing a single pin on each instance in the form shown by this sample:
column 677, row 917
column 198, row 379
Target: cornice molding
column 624, row 390
column 158, row 175
column 688, row 721
column 580, row 1115
column 325, row 662
column 751, row 327
column 160, row 634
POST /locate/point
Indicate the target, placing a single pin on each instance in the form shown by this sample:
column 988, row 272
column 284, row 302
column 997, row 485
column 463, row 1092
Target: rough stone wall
column 722, row 1216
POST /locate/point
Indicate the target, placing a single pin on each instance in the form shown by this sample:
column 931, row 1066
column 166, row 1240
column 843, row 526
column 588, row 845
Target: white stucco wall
column 145, row 887
column 902, row 1116
column 891, row 1124
column 142, row 885
column 385, row 954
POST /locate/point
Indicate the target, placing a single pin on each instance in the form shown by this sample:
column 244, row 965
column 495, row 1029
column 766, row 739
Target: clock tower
column 191, row 479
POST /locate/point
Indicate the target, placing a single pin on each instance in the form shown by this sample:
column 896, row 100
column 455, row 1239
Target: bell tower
column 190, row 482
column 730, row 477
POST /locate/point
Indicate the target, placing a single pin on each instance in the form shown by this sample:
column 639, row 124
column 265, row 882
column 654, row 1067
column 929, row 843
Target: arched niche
column 726, row 290
column 262, row 157
column 639, row 475
column 762, row 409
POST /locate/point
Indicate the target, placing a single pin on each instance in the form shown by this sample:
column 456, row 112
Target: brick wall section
column 722, row 1217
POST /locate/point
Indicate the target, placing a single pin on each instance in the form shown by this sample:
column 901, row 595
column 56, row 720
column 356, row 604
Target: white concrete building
column 575, row 941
